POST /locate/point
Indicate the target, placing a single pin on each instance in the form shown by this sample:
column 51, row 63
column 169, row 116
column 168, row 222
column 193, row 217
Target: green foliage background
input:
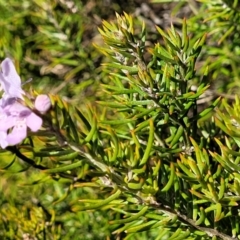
column 138, row 144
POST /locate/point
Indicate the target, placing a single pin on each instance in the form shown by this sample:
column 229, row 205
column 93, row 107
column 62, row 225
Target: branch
column 183, row 218
column 209, row 231
column 15, row 150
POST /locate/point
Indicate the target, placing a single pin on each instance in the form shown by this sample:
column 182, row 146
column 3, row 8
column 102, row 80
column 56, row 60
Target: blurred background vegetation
column 51, row 41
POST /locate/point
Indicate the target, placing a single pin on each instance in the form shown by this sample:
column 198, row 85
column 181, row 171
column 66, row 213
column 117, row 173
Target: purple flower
column 21, row 117
column 15, row 118
column 10, row 80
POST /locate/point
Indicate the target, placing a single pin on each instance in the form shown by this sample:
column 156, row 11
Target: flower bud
column 42, row 103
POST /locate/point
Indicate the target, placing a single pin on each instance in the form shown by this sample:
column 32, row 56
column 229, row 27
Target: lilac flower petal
column 17, row 110
column 6, row 121
column 18, row 133
column 10, row 80
column 7, row 102
column 6, row 124
column 25, row 113
column 3, row 141
column 34, row 122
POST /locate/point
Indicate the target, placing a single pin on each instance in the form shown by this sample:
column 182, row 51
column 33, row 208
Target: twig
column 209, row 231
column 183, row 218
column 15, row 150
